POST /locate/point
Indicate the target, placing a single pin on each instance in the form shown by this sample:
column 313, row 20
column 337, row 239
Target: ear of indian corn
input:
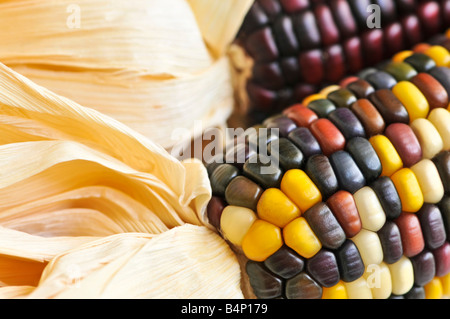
column 370, row 202
column 293, row 49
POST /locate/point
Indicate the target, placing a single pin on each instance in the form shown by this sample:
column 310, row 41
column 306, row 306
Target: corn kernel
column 276, row 208
column 328, row 89
column 302, row 286
column 411, row 234
column 402, row 274
column 402, row 55
column 338, row 291
column 358, row 289
column 297, row 185
column 370, row 210
column 440, row 118
column 439, row 54
column 313, row 97
column 408, row 189
column 369, row 246
column 261, row 241
column 445, row 281
column 429, row 138
column 389, row 157
column 235, row 223
column 421, row 47
column 429, row 181
column 343, row 206
column 378, row 278
column 299, row 236
column 434, row 289
column 413, row 99
column 405, row 142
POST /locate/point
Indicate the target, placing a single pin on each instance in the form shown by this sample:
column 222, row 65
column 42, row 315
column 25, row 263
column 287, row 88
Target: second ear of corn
column 287, row 50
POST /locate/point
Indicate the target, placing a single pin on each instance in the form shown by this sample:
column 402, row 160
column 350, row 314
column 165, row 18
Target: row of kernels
column 389, row 285
column 275, row 232
column 411, row 236
column 393, row 161
column 409, row 183
column 288, row 66
column 279, row 209
column 320, row 277
column 317, row 277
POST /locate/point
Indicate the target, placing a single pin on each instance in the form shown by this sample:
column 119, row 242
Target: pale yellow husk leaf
column 23, row 256
column 15, row 292
column 154, row 65
column 175, row 264
column 76, row 135
column 219, row 21
column 80, row 188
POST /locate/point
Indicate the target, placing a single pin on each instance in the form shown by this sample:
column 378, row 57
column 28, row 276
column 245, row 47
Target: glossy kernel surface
column 297, row 185
column 299, row 236
column 262, row 240
column 388, row 155
column 413, row 99
column 370, row 210
column 343, row 206
column 428, row 136
column 276, row 208
column 235, row 222
column 409, row 190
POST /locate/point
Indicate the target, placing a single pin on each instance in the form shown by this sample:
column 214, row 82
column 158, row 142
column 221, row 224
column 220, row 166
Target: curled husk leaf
column 153, row 65
column 83, row 195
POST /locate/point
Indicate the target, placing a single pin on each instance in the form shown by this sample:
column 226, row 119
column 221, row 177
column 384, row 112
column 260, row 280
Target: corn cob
column 296, row 47
column 359, row 205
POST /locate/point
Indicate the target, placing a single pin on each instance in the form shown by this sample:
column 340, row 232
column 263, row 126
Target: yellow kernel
column 402, row 274
column 388, row 155
column 328, row 89
column 440, row 118
column 408, row 189
column 358, row 289
column 337, row 291
column 378, row 278
column 261, row 241
column 297, row 185
column 433, row 289
column 439, row 54
column 235, row 223
column 402, row 55
column 313, row 97
column 445, row 281
column 276, row 208
column 413, row 99
column 429, row 181
column 299, row 236
column 428, row 136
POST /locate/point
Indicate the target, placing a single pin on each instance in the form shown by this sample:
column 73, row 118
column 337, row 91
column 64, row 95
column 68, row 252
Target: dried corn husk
column 80, row 188
column 175, row 264
column 185, row 262
column 154, row 65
